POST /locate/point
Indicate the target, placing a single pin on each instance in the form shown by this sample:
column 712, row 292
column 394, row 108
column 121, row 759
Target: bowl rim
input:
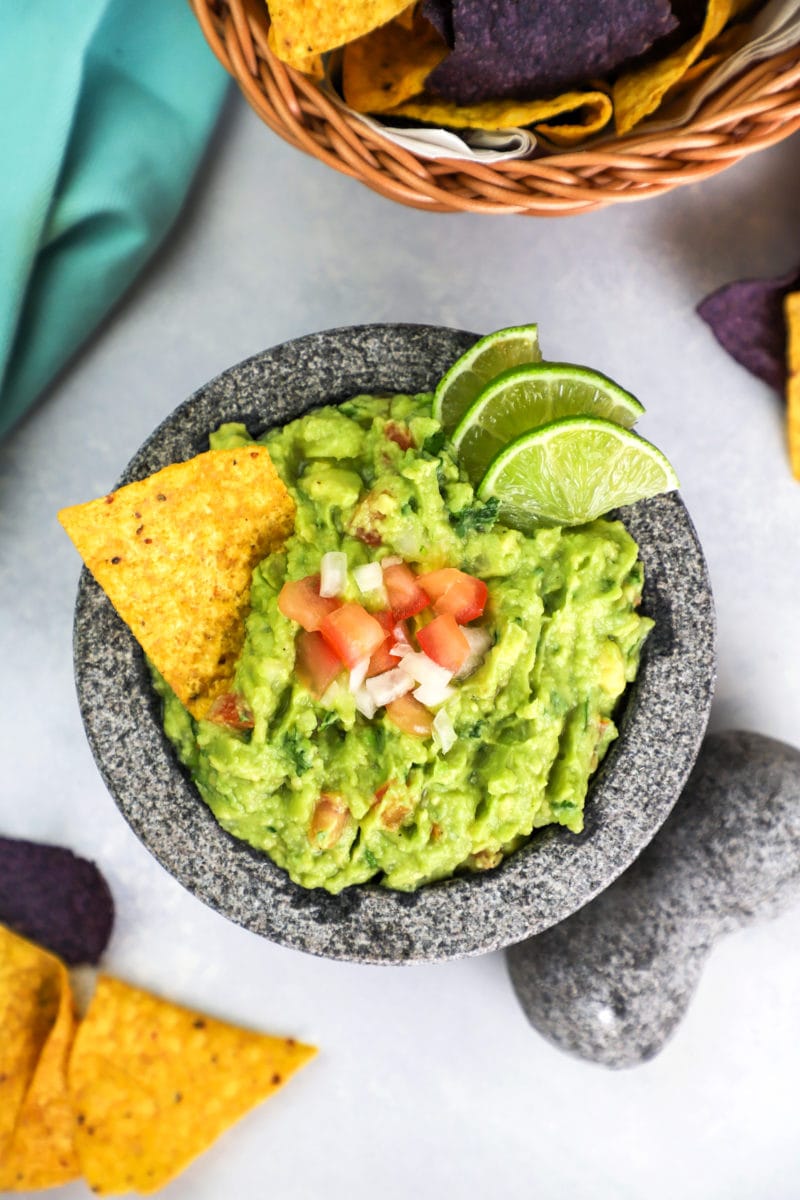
column 555, row 872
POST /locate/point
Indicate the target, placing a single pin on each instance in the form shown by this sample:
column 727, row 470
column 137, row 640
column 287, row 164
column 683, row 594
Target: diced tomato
column 399, row 434
column 410, row 716
column 382, row 660
column 315, row 664
column 352, row 633
column 300, row 601
column 406, row 597
column 386, row 621
column 382, row 790
column 456, row 592
column 328, row 821
column 396, row 631
column 231, row 710
column 400, row 633
column 443, row 641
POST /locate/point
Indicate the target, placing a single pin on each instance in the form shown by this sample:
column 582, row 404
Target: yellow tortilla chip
column 592, row 111
column 153, row 1085
column 31, row 986
column 300, row 28
column 791, row 307
column 174, row 554
column 640, row 91
column 716, row 52
column 41, row 1150
column 390, row 65
column 407, row 17
column 311, row 65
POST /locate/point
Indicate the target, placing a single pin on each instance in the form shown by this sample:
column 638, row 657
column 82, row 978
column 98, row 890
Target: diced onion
column 333, row 573
column 407, row 543
column 389, row 686
column 401, row 649
column 364, row 703
column 432, row 694
column 424, row 670
column 392, row 560
column 443, row 730
column 368, row 576
column 479, row 644
column 358, row 674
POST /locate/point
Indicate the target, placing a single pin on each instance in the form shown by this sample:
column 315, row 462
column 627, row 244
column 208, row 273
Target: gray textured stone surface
column 612, row 982
column 662, row 723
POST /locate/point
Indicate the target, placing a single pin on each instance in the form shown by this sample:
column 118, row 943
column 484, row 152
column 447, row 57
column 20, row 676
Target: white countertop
column 430, row 1083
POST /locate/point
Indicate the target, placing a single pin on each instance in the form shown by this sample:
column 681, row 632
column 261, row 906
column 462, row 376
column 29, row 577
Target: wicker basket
column 756, row 110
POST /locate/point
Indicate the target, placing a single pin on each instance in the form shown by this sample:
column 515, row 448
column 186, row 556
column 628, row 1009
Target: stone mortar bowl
column 662, row 722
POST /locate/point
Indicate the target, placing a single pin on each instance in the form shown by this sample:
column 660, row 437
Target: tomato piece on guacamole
column 300, row 601
column 231, row 710
column 443, row 641
column 456, row 592
column 410, row 716
column 352, row 633
column 316, row 664
column 406, row 597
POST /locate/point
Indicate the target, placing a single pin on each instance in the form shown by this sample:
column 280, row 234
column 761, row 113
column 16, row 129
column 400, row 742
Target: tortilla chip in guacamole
column 174, row 554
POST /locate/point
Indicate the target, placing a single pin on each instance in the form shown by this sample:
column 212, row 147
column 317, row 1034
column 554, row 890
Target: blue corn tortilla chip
column 747, row 319
column 440, row 15
column 530, row 48
column 56, row 899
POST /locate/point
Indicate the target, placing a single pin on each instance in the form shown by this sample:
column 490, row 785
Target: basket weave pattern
column 756, row 110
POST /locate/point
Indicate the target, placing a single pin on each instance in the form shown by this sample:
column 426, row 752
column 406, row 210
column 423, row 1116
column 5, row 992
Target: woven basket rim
column 757, row 109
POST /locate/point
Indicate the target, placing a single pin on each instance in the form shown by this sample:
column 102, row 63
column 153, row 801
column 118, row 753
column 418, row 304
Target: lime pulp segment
column 574, row 470
column 531, row 395
column 488, row 357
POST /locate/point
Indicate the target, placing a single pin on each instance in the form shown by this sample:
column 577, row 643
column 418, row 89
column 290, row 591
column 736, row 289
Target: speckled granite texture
column 661, row 728
column 612, row 982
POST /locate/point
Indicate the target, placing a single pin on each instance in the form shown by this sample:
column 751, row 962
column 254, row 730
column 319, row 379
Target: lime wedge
column 574, row 470
column 526, row 397
column 488, row 357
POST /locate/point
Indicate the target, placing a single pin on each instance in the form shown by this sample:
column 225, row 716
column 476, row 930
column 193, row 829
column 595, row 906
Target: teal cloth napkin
column 105, row 109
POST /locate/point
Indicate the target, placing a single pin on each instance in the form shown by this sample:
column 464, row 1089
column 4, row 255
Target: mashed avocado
column 337, row 799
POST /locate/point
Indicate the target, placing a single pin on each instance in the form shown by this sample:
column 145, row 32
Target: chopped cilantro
column 433, row 444
column 298, row 751
column 329, row 719
column 370, row 859
column 477, row 517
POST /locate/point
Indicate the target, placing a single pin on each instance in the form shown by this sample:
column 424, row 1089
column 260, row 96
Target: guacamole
column 337, row 798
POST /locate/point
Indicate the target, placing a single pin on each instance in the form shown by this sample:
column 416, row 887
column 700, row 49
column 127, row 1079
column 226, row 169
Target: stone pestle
column 611, row 982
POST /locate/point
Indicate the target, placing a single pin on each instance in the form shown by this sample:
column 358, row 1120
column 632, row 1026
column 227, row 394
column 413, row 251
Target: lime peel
column 487, row 358
column 529, row 396
column 574, row 470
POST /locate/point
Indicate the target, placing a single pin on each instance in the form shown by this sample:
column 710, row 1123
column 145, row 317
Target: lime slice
column 488, row 357
column 532, row 395
column 574, row 470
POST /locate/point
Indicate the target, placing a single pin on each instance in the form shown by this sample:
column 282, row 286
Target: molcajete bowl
column 661, row 724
